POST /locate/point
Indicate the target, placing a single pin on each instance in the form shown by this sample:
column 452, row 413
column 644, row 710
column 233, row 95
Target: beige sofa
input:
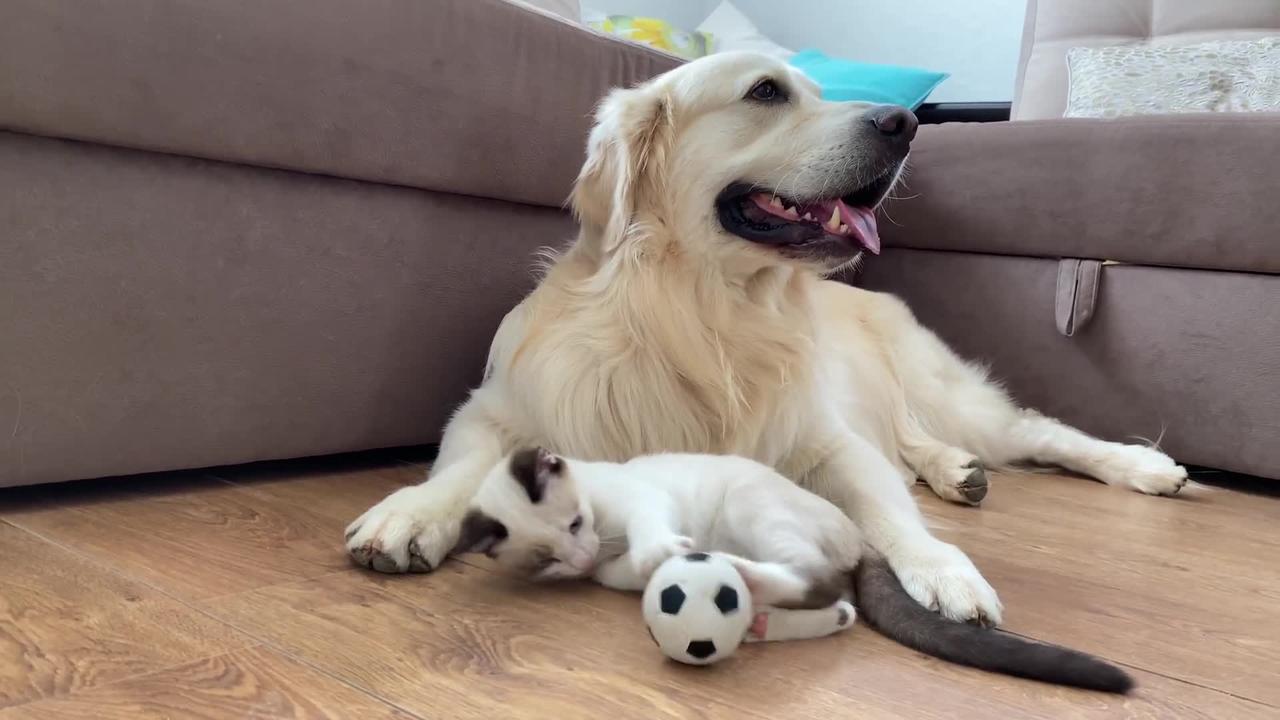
column 240, row 231
column 235, row 232
column 1054, row 26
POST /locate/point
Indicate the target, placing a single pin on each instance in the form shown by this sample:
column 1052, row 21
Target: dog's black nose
column 894, row 121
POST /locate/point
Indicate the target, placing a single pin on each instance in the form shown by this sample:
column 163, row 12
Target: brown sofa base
column 159, row 312
column 1187, row 356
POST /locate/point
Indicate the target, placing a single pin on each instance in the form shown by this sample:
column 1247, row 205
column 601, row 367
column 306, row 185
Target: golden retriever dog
column 691, row 314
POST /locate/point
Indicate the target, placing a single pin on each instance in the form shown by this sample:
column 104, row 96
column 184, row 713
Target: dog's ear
column 626, row 159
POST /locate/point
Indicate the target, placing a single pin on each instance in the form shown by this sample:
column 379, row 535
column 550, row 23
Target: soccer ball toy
column 698, row 608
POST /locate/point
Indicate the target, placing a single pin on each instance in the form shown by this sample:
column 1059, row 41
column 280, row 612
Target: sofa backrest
column 1054, row 26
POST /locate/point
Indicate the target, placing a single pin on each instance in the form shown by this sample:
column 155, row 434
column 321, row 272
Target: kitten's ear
column 534, row 469
column 479, row 534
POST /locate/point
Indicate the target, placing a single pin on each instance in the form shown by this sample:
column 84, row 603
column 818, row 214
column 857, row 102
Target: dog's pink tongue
column 862, row 225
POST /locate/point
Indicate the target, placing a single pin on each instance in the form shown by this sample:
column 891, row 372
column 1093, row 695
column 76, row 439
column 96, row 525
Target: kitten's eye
column 766, row 91
column 548, row 562
column 576, row 525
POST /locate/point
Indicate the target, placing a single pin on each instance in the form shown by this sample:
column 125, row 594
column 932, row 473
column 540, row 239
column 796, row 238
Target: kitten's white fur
column 617, row 522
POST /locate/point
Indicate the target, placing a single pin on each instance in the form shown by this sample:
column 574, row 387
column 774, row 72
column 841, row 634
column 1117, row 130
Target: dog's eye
column 576, row 525
column 766, row 91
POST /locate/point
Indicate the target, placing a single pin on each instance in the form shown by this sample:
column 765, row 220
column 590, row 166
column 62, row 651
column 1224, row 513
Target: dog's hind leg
column 937, row 410
column 999, row 434
column 1043, row 440
column 947, row 403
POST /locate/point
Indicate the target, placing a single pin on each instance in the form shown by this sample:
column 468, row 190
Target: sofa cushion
column 1184, row 190
column 478, row 97
column 844, row 80
column 1215, row 76
column 1055, row 26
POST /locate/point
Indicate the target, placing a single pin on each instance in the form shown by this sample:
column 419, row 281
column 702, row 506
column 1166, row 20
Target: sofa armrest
column 1186, row 190
column 477, row 97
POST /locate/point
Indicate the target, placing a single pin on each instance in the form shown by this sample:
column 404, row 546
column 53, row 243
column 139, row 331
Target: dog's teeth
column 844, row 229
column 834, row 222
column 792, row 212
column 808, row 216
column 774, row 201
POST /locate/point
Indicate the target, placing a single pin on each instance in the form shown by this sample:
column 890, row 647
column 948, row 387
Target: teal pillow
column 842, row 80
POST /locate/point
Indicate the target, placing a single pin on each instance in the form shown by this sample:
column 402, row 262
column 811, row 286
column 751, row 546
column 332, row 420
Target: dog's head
column 736, row 156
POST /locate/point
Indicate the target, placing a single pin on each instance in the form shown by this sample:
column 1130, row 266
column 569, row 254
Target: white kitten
column 549, row 517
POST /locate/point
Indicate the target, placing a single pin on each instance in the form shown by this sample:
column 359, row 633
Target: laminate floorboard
column 226, row 594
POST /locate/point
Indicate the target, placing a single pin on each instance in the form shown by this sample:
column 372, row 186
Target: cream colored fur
column 658, row 331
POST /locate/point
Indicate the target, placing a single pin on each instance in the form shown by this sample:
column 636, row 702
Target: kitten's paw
column 845, row 614
column 771, row 623
column 943, row 578
column 647, row 558
column 620, row 574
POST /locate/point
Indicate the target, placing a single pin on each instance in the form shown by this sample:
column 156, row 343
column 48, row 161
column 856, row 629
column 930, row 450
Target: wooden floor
column 227, row 595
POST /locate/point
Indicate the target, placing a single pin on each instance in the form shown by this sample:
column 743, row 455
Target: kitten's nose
column 583, row 561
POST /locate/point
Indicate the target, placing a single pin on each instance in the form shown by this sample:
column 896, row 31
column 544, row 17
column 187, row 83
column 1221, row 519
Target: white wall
column 681, row 13
column 977, row 41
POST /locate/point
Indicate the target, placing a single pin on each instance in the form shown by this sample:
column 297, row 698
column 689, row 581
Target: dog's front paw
column 1144, row 469
column 647, row 558
column 411, row 530
column 943, row 578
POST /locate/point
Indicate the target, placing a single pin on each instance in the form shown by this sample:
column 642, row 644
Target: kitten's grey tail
column 888, row 608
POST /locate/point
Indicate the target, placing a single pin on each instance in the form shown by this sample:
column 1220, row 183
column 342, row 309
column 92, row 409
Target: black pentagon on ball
column 701, row 649
column 671, row 599
column 697, row 557
column 727, row 600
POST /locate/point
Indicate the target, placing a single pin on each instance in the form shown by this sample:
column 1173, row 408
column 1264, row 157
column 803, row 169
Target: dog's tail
column 888, row 609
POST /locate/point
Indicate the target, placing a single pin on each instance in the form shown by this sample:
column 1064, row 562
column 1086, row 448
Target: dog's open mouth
column 763, row 216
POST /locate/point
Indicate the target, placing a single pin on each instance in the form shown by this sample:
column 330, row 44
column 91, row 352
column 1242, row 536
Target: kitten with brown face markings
column 548, row 517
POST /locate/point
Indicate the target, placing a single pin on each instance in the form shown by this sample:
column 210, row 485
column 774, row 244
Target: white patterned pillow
column 1219, row 76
